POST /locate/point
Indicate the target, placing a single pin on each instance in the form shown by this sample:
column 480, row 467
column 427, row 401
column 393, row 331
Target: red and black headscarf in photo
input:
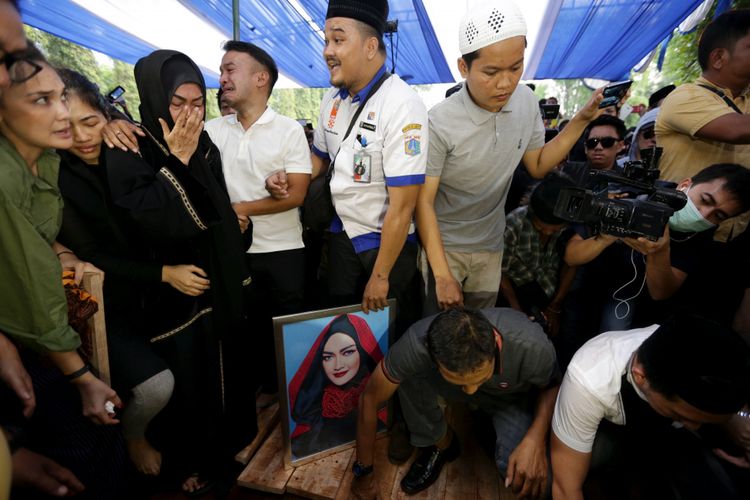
column 312, row 396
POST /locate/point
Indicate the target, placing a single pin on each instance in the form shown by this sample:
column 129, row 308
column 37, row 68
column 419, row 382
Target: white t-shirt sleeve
column 577, row 415
column 406, row 143
column 297, row 154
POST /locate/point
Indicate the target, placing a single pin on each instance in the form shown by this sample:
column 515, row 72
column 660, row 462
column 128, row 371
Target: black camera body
column 641, row 208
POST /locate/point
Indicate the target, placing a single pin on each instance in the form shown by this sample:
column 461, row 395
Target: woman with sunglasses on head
column 34, row 119
column 173, row 192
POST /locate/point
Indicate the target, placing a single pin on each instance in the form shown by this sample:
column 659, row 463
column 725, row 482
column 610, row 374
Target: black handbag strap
column 721, row 94
column 373, row 89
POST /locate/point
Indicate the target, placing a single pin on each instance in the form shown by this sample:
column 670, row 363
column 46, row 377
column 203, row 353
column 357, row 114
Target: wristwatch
column 360, row 470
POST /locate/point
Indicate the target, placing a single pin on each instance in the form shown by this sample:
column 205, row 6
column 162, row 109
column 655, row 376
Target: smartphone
column 614, row 92
column 550, row 111
column 115, row 94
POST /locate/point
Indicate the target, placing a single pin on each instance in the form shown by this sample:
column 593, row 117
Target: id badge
column 362, row 167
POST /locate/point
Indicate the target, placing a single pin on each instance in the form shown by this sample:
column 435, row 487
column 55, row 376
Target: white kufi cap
column 487, row 22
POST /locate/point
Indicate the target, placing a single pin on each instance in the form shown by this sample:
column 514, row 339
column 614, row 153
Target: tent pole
column 236, row 19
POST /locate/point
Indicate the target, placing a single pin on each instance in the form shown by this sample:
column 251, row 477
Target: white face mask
column 689, row 218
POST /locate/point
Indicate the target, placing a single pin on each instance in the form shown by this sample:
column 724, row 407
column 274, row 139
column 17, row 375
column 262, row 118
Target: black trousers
column 58, row 430
column 278, row 289
column 349, row 271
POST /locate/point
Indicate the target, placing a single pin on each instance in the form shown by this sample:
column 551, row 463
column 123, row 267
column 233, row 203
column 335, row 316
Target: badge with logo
column 371, row 115
column 362, row 167
column 412, row 139
column 334, row 112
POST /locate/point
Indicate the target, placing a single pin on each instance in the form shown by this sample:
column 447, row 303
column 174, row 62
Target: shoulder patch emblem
column 412, row 144
column 411, row 126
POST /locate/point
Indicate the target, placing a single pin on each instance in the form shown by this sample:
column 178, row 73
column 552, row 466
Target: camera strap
column 721, row 94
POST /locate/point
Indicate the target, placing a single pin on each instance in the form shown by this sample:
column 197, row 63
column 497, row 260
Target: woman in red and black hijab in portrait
column 324, row 393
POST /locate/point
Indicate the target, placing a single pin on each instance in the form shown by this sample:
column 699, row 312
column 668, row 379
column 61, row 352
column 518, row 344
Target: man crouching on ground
column 496, row 360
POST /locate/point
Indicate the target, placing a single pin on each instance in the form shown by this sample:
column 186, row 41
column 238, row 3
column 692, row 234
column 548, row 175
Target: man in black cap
column 657, row 385
column 373, row 132
column 655, row 99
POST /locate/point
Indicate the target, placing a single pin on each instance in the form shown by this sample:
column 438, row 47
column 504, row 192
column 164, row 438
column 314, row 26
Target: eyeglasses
column 606, row 142
column 649, row 133
column 19, row 69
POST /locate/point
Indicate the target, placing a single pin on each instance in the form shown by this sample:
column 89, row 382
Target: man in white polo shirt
column 379, row 166
column 477, row 138
column 254, row 143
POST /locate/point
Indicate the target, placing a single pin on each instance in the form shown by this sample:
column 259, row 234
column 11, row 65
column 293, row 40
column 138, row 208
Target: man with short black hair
column 535, row 279
column 688, row 371
column 378, row 160
column 496, row 360
column 603, row 140
column 478, row 137
column 254, row 143
column 708, row 121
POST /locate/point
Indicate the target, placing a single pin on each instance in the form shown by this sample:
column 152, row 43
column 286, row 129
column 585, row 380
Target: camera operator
column 716, row 193
column 708, row 120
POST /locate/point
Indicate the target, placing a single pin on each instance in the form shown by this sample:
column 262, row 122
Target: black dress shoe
column 427, row 466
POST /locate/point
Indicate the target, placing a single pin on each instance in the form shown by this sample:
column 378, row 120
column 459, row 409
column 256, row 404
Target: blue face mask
column 689, row 219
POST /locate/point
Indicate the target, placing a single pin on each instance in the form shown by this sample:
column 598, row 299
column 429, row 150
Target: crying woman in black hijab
column 175, row 195
column 173, row 95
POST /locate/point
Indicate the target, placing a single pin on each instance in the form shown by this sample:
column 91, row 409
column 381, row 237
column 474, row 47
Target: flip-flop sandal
column 208, row 485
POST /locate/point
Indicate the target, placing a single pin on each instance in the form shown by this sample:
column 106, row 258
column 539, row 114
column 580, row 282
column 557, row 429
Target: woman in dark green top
column 33, row 119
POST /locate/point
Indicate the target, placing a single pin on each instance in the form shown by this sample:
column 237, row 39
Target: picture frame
column 324, row 360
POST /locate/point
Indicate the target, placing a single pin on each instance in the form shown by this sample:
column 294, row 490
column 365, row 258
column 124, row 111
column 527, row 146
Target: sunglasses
column 649, row 133
column 606, row 142
column 19, row 69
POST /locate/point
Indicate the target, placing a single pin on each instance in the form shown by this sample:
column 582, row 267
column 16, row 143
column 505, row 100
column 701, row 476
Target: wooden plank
column 321, row 479
column 93, row 283
column 385, row 472
column 266, row 471
column 267, row 420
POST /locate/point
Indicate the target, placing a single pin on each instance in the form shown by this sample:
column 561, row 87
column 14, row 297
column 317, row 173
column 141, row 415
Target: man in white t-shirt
column 655, row 384
column 254, row 143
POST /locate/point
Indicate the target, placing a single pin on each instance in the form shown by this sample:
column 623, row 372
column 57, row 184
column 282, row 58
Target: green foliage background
column 680, row 66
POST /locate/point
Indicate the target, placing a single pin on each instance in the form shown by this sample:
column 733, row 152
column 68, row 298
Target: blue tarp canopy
column 567, row 38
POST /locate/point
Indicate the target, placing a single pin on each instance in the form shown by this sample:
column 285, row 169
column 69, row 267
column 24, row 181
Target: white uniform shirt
column 394, row 128
column 590, row 391
column 248, row 157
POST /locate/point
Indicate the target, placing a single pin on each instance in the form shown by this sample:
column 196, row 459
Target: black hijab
column 158, row 76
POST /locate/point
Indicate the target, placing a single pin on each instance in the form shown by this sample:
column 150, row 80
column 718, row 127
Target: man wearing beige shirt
column 708, row 121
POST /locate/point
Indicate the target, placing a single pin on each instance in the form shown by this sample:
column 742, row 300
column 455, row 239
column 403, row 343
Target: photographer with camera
column 618, row 269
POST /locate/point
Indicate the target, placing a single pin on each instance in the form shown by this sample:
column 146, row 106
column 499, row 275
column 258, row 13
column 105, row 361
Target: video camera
column 641, row 207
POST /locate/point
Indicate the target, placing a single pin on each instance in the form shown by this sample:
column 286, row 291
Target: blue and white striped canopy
column 601, row 39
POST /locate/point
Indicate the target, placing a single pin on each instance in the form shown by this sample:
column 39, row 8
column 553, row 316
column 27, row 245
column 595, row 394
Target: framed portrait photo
column 325, row 359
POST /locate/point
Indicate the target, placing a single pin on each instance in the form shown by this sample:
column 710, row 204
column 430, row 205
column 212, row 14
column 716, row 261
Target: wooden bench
column 473, row 475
